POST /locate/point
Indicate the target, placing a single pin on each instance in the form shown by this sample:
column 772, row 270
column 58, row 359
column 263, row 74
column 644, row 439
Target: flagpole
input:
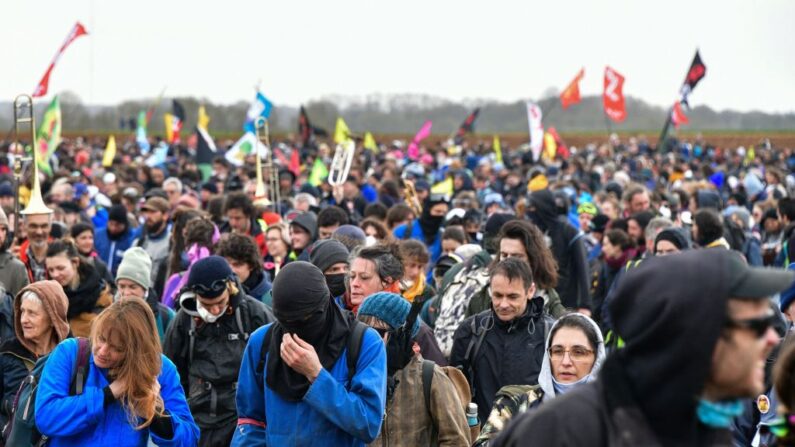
column 608, row 125
column 555, row 106
column 664, row 133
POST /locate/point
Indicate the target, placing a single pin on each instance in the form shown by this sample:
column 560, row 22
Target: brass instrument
column 411, row 197
column 35, row 203
column 341, row 163
column 270, row 195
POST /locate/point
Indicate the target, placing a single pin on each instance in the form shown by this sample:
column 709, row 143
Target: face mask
column 205, row 314
column 336, row 284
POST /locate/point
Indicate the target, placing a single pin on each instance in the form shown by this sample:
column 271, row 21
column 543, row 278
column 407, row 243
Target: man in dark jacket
column 111, row 242
column 569, row 250
column 698, row 328
column 505, row 344
column 206, row 342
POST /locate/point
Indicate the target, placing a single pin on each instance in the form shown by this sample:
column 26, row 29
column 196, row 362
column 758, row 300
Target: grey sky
column 504, row 50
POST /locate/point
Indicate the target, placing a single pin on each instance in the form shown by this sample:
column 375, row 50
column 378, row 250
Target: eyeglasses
column 758, row 326
column 576, row 353
column 216, row 286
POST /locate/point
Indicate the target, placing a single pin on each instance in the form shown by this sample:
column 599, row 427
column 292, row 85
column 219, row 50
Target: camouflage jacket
column 511, row 400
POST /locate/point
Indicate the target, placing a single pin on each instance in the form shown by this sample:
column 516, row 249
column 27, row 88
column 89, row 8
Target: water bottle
column 472, row 414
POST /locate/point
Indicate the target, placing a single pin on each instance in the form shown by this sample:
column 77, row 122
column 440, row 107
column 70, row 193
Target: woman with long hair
column 200, row 238
column 132, row 391
column 87, row 291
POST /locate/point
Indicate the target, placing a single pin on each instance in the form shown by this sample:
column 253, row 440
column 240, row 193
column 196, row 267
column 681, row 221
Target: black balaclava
column 430, row 224
column 302, row 306
column 542, row 210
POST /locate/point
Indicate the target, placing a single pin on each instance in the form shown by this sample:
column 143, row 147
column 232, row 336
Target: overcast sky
column 505, row 50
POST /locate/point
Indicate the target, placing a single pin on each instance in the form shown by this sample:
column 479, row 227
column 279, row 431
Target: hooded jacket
column 568, row 248
column 91, row 296
column 13, row 274
column 111, row 249
column 646, row 395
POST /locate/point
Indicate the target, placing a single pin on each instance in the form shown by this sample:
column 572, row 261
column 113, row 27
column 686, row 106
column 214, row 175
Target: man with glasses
column 505, row 344
column 206, row 342
column 698, row 330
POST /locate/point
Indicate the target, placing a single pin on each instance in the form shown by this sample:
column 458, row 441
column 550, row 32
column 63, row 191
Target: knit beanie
column 492, row 228
column 327, row 253
column 208, row 276
column 675, row 236
column 390, row 308
column 136, row 266
column 118, row 213
column 351, row 231
column 53, row 301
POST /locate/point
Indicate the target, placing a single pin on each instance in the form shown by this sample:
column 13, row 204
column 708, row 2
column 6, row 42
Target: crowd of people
column 615, row 294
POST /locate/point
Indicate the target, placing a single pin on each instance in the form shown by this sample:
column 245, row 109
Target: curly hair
column 386, row 258
column 381, row 233
column 199, row 231
column 542, row 261
column 240, row 247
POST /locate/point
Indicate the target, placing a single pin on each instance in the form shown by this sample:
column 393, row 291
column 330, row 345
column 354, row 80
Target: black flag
column 696, row 73
column 468, row 126
column 304, row 126
column 205, row 147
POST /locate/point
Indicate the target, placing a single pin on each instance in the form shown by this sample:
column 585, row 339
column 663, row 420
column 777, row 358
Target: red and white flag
column 77, row 31
column 678, row 116
column 613, row 97
column 536, row 129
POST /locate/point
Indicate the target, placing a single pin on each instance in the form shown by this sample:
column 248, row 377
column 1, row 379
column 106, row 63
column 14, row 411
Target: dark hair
column 455, row 233
column 332, row 215
column 577, row 322
column 239, row 201
column 215, row 208
column 390, row 188
column 619, row 238
column 199, row 231
column 633, row 190
column 513, row 268
column 240, row 247
column 386, row 258
column 786, row 207
column 377, row 210
column 69, row 249
column 80, row 228
column 414, row 250
column 542, row 261
column 381, row 232
column 181, row 218
column 710, row 226
column 398, row 213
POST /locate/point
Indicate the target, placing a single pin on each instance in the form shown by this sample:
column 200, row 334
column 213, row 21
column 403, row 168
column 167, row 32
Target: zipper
column 31, row 396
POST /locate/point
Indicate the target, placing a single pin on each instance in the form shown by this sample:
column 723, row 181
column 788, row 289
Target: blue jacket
column 83, row 419
column 110, row 250
column 434, row 249
column 333, row 412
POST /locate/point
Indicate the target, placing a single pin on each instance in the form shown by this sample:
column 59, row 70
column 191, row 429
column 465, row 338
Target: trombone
column 341, row 163
column 22, row 116
column 270, row 194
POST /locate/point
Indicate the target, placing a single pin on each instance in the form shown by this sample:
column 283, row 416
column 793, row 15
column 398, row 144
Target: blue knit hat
column 208, row 276
column 787, row 296
column 390, row 308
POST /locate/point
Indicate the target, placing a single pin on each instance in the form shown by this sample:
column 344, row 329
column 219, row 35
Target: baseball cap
column 155, row 204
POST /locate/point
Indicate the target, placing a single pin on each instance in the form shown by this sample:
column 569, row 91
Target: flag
column 151, row 110
column 468, row 126
column 319, row 173
column 550, row 146
column 536, row 129
column 159, row 155
column 76, row 31
column 613, row 97
column 696, row 72
column 205, row 146
column 140, row 133
column 341, row 131
column 178, row 114
column 369, row 142
column 571, row 95
column 305, row 129
column 413, row 151
column 295, row 162
column 243, row 147
column 168, row 124
column 204, row 119
column 562, row 150
column 497, row 149
column 261, row 107
column 48, row 136
column 444, row 187
column 678, row 116
column 110, row 152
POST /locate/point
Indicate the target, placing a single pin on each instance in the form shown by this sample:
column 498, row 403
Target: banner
column 77, row 31
column 468, row 126
column 571, row 95
column 110, row 152
column 536, row 129
column 413, row 151
column 48, row 136
column 243, row 147
column 613, row 97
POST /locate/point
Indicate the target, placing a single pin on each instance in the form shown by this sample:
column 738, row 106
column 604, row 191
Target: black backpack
column 21, row 431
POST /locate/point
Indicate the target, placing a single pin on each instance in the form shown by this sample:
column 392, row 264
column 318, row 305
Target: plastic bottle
column 472, row 414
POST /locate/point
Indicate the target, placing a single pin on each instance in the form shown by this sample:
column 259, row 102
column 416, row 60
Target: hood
column 546, row 212
column 55, row 304
column 545, row 376
column 707, row 198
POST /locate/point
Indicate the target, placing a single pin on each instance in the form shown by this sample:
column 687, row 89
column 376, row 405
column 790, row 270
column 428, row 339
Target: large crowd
column 615, row 294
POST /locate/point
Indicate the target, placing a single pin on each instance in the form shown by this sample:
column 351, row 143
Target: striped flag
column 77, row 30
column 48, row 136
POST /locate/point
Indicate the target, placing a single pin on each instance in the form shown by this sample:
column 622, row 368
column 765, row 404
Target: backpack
column 454, row 301
column 21, row 428
column 459, row 381
column 354, row 346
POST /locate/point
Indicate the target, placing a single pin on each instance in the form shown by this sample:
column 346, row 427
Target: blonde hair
column 134, row 323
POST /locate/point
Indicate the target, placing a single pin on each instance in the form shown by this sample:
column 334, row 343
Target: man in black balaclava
column 567, row 245
column 331, row 257
column 428, row 228
column 112, row 241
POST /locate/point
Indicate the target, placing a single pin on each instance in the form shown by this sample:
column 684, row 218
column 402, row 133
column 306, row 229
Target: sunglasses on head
column 758, row 326
column 216, row 286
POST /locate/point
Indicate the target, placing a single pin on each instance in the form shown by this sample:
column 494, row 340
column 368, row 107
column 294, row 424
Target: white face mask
column 205, row 314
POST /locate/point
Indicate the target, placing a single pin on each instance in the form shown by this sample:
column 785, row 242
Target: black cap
column 208, row 277
column 755, row 282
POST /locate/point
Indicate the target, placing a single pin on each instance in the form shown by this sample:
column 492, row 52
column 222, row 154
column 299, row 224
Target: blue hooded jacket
column 112, row 250
column 333, row 412
column 84, row 419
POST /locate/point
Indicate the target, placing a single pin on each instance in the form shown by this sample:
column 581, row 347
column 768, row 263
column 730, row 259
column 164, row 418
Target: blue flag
column 261, row 107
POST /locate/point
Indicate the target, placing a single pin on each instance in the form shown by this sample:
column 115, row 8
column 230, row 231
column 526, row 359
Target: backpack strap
column 354, row 346
column 191, row 339
column 479, row 333
column 427, row 381
column 80, row 371
column 239, row 320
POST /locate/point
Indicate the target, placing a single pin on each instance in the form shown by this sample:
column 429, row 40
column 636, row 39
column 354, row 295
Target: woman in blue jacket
column 132, row 391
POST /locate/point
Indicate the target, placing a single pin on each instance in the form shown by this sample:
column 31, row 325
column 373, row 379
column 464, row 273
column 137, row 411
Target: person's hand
column 300, row 356
column 584, row 311
column 337, row 193
column 118, row 389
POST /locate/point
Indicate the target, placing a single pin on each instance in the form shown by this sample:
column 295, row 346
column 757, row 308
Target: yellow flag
column 169, row 123
column 204, row 118
column 497, row 149
column 443, row 187
column 110, row 152
column 369, row 142
column 341, row 132
column 550, row 147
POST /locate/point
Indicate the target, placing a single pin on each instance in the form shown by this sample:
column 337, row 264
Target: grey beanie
column 307, row 221
column 327, row 253
column 136, row 266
